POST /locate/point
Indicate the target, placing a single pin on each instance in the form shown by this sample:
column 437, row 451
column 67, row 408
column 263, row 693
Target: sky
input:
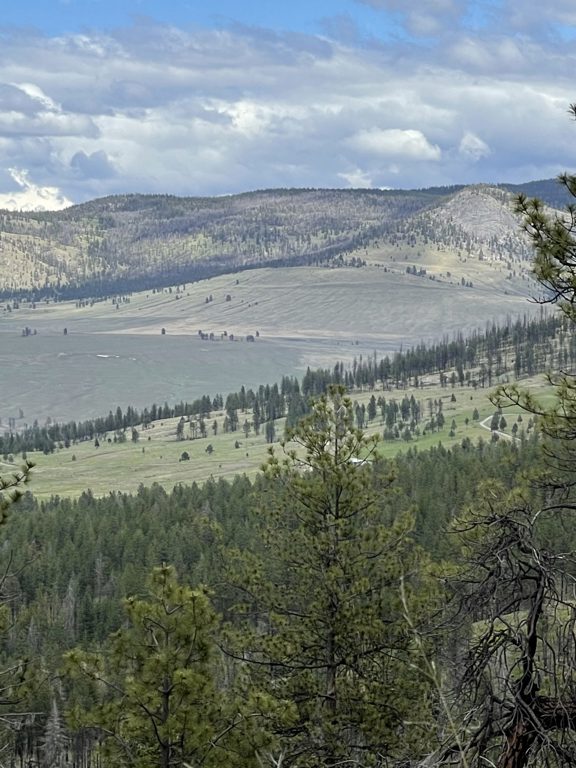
column 215, row 97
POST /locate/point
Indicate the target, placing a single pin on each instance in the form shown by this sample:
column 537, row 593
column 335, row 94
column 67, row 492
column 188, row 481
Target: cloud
column 15, row 99
column 423, row 17
column 29, row 197
column 28, row 111
column 540, row 19
column 94, row 166
column 44, row 102
column 152, row 108
column 441, row 18
column 46, row 124
column 357, row 179
column 395, row 143
column 473, row 147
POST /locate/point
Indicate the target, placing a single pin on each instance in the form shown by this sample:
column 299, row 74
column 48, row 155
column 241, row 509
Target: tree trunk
column 520, row 738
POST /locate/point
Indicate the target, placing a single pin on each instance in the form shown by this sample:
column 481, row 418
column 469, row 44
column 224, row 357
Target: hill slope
column 130, row 242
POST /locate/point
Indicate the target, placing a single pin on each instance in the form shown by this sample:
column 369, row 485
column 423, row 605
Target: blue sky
column 70, row 16
column 213, row 97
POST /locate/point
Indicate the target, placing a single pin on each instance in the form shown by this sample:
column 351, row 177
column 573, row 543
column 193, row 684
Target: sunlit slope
column 471, row 237
column 371, row 303
column 128, row 242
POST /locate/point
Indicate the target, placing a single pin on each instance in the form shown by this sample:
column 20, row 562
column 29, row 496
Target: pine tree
column 55, row 740
column 515, row 699
column 553, row 237
column 324, row 628
column 157, row 684
column 11, row 488
column 521, row 664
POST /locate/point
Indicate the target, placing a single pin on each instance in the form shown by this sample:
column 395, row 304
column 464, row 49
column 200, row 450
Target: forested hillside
column 134, row 242
column 71, row 562
column 280, row 569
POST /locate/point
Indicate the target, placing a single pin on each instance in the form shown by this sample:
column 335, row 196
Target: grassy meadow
column 156, row 456
column 114, row 352
column 81, row 360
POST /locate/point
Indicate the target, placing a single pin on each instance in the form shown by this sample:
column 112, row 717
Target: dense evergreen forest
column 69, row 563
column 338, row 610
column 297, row 619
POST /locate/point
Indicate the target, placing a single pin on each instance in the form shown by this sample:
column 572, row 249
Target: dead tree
column 515, row 597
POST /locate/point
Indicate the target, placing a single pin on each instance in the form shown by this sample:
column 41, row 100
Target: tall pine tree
column 324, row 626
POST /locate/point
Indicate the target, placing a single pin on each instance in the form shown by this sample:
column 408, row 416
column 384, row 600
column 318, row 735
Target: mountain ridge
column 123, row 243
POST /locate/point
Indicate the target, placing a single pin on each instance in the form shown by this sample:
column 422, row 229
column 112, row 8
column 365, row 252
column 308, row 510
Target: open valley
column 80, row 361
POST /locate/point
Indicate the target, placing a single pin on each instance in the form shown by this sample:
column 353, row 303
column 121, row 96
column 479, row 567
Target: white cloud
column 38, row 95
column 473, row 147
column 46, row 124
column 394, row 142
column 40, row 115
column 357, row 179
column 156, row 109
column 29, row 197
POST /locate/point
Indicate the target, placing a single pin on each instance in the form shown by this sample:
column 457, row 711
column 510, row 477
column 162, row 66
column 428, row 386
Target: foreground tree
column 154, row 696
column 11, row 488
column 514, row 600
column 325, row 632
column 554, row 242
column 14, row 679
column 553, row 237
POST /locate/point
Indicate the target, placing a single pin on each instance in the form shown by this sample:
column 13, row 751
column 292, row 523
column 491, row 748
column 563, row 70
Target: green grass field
column 156, row 456
column 114, row 353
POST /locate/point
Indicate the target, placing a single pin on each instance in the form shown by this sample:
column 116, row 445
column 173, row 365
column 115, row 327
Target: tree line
column 522, row 348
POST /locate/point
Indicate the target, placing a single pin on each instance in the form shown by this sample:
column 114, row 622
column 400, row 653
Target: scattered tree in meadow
column 270, row 431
